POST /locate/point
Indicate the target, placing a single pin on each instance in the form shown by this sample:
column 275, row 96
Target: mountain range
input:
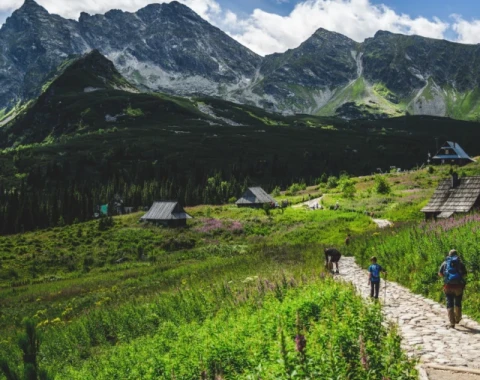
column 169, row 48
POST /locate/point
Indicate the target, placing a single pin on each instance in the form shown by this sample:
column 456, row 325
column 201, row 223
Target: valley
column 104, row 115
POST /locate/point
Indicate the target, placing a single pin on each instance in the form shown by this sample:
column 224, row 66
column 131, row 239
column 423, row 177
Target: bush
column 276, row 192
column 347, row 187
column 332, row 182
column 381, row 185
column 267, row 207
column 232, row 200
column 294, row 188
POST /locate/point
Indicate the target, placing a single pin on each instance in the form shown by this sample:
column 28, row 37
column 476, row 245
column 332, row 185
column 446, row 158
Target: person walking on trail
column 332, row 256
column 347, row 242
column 374, row 277
column 453, row 272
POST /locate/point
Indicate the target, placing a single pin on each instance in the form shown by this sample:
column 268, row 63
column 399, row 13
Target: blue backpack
column 452, row 273
column 375, row 271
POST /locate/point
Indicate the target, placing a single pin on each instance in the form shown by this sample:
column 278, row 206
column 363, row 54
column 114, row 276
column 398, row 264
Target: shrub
column 332, row 182
column 276, row 192
column 347, row 187
column 381, row 185
column 267, row 207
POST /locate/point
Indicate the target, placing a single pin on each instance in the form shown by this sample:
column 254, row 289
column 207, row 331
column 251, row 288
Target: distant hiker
column 453, row 272
column 374, row 277
column 332, row 256
column 337, row 206
column 347, row 243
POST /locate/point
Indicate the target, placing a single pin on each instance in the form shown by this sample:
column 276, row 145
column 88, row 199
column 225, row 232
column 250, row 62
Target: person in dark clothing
column 332, row 256
column 453, row 272
column 374, row 277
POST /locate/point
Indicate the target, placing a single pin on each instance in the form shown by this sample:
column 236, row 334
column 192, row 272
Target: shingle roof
column 255, row 195
column 457, row 152
column 166, row 211
column 459, row 199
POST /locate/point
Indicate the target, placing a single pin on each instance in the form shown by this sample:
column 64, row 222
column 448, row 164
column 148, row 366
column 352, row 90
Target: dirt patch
column 436, row 374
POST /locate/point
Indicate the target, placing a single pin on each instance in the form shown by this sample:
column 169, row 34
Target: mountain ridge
column 169, row 48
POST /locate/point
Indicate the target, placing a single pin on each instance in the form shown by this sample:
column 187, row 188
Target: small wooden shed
column 452, row 153
column 454, row 195
column 256, row 197
column 168, row 214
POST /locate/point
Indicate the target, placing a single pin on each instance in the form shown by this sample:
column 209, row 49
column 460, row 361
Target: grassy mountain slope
column 234, row 278
column 98, row 294
column 74, row 149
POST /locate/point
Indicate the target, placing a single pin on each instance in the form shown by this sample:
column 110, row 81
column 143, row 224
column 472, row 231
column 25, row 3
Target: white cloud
column 468, row 31
column 358, row 19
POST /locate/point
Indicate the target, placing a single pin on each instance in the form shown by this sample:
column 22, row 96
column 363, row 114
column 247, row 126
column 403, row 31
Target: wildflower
column 300, row 343
column 363, row 353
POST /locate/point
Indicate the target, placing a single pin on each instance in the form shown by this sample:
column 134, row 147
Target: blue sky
column 427, row 8
column 268, row 26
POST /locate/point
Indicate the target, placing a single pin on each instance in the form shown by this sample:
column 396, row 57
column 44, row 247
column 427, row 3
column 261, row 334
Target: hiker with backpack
column 374, row 277
column 453, row 272
column 332, row 256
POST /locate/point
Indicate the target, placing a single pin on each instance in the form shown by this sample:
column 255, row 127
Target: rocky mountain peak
column 327, row 34
column 31, row 7
column 383, row 33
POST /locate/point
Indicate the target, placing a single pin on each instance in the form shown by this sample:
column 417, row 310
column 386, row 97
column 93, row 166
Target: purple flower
column 300, row 343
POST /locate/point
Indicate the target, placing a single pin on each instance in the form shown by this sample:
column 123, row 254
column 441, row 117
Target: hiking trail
column 422, row 324
column 382, row 223
column 310, row 203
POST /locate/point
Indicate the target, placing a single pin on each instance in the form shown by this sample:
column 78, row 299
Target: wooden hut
column 455, row 195
column 453, row 154
column 256, row 197
column 168, row 214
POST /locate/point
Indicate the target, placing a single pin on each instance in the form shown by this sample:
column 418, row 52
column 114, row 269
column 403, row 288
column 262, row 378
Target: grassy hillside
column 107, row 298
column 101, row 297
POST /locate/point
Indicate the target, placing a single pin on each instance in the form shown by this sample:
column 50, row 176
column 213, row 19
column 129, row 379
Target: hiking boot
column 458, row 314
column 451, row 317
column 337, row 272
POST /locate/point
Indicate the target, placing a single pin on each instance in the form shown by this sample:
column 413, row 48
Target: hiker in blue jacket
column 453, row 272
column 374, row 277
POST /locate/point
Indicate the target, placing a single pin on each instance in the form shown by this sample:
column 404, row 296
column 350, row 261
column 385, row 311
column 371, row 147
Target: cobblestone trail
column 422, row 322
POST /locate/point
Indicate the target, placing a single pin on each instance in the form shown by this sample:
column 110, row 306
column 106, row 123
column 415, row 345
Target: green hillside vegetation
column 238, row 285
column 72, row 150
column 98, row 293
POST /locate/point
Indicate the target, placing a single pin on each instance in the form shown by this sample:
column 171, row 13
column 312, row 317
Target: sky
column 270, row 26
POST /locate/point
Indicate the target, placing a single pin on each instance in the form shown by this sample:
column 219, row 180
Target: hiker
column 332, row 256
column 453, row 272
column 347, row 243
column 374, row 277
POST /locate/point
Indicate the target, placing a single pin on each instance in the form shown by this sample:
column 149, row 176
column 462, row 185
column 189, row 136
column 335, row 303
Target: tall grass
column 413, row 255
column 268, row 330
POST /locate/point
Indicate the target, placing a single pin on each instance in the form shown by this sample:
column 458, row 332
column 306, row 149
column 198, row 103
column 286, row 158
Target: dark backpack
column 375, row 271
column 452, row 273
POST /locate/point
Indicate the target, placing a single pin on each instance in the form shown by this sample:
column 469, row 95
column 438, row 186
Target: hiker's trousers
column 454, row 297
column 374, row 289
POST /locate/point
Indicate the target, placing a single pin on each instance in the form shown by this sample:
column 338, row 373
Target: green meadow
column 238, row 293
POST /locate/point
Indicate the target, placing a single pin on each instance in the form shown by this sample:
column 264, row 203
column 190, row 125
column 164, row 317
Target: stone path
column 311, row 203
column 382, row 223
column 422, row 322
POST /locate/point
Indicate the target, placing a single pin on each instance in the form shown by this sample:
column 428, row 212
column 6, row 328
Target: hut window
column 447, row 152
